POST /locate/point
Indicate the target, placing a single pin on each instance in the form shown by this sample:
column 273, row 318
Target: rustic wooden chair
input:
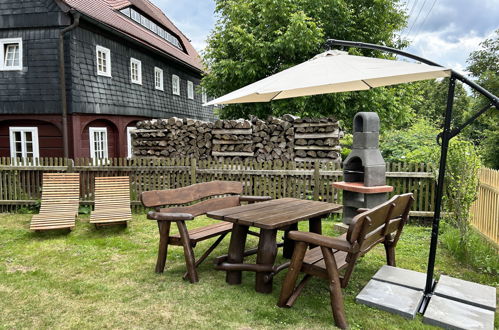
column 189, row 238
column 381, row 224
column 112, row 201
column 60, row 201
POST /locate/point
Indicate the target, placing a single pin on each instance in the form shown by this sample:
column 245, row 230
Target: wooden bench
column 382, row 224
column 189, row 238
column 60, row 201
column 112, row 201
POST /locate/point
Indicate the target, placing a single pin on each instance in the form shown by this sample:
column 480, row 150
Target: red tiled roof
column 106, row 11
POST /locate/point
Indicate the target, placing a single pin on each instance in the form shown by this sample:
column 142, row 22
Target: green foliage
column 416, row 144
column 346, row 145
column 84, row 209
column 475, row 251
column 253, row 39
column 461, row 185
column 432, row 101
column 484, row 66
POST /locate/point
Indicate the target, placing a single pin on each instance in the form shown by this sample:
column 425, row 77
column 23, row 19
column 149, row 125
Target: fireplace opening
column 353, row 170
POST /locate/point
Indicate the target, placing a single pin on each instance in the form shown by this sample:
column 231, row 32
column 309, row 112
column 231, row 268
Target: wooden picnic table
column 271, row 216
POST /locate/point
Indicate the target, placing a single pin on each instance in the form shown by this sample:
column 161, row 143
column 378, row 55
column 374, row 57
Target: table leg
column 267, row 252
column 289, row 245
column 236, row 252
column 315, row 226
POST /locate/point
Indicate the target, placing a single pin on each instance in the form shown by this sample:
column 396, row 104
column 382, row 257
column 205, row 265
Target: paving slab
column 391, row 297
column 404, row 277
column 475, row 294
column 451, row 314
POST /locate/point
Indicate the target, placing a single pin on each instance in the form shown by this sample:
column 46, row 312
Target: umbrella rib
column 365, row 82
column 272, row 99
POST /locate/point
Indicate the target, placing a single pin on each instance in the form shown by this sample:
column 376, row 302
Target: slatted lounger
column 60, row 200
column 112, row 201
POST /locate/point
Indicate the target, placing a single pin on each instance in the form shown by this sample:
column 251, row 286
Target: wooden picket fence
column 20, row 182
column 485, row 211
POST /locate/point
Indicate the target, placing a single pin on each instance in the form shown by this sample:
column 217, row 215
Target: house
column 77, row 75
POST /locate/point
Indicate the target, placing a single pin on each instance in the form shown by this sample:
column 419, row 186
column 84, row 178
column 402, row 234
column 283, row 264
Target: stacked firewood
column 232, row 138
column 273, row 138
column 317, row 139
column 286, row 138
column 173, row 137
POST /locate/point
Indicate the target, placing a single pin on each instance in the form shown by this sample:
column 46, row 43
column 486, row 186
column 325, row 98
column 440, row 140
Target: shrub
column 416, row 144
column 461, row 185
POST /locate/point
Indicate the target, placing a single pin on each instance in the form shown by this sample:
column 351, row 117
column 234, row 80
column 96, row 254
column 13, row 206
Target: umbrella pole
column 446, row 135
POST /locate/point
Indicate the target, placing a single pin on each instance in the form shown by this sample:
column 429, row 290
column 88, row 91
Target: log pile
column 317, row 139
column 273, row 138
column 287, row 138
column 172, row 137
column 232, row 138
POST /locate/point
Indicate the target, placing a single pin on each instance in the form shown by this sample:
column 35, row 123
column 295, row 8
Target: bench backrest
column 193, row 193
column 60, row 192
column 112, row 192
column 384, row 221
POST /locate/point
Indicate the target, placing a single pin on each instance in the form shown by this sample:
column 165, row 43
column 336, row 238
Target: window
column 24, row 142
column 136, row 71
column 175, row 85
column 129, row 131
column 135, row 16
column 190, row 90
column 158, row 78
column 152, row 26
column 103, row 61
column 11, row 54
column 98, row 143
column 204, row 96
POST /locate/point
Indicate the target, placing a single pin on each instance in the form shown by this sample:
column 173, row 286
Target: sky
column 444, row 31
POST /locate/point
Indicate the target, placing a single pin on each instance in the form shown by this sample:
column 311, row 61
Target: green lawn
column 104, row 279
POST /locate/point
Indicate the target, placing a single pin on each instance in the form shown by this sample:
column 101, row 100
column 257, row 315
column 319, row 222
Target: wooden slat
column 206, row 232
column 190, row 193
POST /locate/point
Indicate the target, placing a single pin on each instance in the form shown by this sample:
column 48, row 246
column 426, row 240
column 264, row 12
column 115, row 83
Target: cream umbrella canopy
column 331, row 72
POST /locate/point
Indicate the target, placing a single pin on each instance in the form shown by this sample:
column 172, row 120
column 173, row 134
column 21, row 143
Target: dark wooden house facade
column 76, row 76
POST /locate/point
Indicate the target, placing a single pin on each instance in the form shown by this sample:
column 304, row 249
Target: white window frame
column 137, row 81
column 204, row 96
column 175, row 84
column 107, row 52
column 129, row 131
column 91, row 131
column 34, row 134
column 190, row 90
column 3, row 42
column 160, row 86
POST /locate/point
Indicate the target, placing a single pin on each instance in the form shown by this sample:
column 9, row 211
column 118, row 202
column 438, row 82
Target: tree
column 433, row 101
column 253, row 39
column 484, row 66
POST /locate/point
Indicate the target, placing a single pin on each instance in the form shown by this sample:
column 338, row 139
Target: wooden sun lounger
column 60, row 201
column 112, row 201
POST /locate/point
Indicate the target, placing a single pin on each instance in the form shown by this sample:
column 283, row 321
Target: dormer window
column 152, row 26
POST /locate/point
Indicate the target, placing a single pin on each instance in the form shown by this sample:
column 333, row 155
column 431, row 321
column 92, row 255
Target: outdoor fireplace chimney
column 364, row 170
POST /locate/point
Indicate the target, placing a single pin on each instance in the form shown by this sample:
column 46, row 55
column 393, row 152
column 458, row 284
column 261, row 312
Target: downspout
column 62, row 81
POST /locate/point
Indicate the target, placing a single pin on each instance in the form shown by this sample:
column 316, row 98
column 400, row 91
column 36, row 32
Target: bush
column 416, row 144
column 461, row 185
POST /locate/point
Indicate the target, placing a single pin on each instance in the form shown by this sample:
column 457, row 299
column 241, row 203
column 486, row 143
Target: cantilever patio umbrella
column 335, row 71
column 331, row 72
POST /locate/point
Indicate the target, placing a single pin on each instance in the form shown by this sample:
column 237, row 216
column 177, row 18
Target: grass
column 105, row 279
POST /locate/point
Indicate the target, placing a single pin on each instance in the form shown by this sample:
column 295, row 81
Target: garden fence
column 20, row 182
column 485, row 210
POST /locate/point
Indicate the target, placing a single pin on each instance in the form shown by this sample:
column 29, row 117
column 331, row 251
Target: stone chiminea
column 364, row 170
